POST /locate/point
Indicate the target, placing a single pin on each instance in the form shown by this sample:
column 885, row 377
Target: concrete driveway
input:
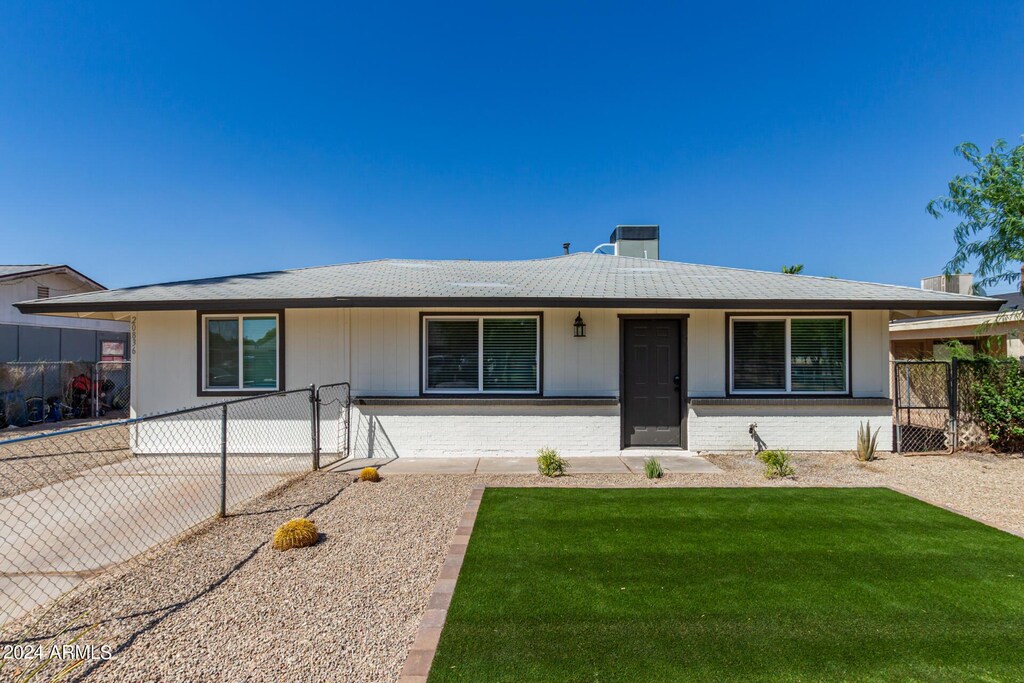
column 54, row 537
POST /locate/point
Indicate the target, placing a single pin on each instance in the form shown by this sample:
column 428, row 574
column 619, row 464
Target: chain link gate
column 333, row 410
column 924, row 413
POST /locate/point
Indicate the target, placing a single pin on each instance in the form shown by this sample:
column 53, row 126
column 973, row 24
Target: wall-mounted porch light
column 579, row 328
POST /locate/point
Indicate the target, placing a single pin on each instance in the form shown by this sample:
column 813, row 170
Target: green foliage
column 550, row 463
column 794, row 269
column 369, row 474
column 297, row 533
column 776, row 464
column 990, row 204
column 652, row 468
column 998, row 402
column 959, row 350
column 866, row 442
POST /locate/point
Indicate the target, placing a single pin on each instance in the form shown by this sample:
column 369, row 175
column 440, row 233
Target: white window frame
column 240, row 317
column 789, row 358
column 480, row 353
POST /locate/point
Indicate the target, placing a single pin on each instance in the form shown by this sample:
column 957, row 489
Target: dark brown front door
column 652, row 382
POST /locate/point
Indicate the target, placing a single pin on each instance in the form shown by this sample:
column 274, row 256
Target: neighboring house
column 585, row 353
column 25, row 337
column 999, row 333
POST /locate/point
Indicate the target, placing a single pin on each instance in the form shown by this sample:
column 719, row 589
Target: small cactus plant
column 369, row 474
column 866, row 442
column 297, row 533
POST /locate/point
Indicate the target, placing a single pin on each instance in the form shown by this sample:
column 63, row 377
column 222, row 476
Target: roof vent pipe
column 565, row 248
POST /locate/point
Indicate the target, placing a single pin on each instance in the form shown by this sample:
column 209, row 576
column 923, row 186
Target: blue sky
column 144, row 144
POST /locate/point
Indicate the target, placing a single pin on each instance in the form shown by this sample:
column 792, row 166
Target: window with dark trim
column 789, row 355
column 484, row 354
column 240, row 352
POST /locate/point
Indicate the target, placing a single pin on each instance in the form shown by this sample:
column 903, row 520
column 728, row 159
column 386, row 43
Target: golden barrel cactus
column 369, row 474
column 297, row 533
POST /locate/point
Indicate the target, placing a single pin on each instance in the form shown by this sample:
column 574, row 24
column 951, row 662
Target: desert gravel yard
column 222, row 605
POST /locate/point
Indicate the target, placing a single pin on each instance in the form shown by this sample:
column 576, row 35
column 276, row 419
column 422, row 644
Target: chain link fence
column 52, row 392
column 111, row 389
column 78, row 502
column 922, row 403
column 971, row 381
column 334, row 414
column 938, row 405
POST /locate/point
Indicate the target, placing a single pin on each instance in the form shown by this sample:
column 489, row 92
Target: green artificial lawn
column 732, row 584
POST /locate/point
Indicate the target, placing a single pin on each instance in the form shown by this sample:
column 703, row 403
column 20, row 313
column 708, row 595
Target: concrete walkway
column 626, row 462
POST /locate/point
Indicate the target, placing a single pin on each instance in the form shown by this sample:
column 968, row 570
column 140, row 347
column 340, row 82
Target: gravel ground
column 221, row 605
column 33, row 464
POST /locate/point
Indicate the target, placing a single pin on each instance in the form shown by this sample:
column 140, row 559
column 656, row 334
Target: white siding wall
column 378, row 351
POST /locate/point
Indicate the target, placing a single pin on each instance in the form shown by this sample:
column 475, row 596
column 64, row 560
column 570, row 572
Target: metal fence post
column 348, row 420
column 314, row 401
column 223, row 461
column 953, row 406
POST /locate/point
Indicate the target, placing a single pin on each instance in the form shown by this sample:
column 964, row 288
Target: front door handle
column 675, row 382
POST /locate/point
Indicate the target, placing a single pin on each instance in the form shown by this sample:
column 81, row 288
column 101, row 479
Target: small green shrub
column 776, row 464
column 866, row 442
column 369, row 474
column 550, row 463
column 652, row 468
column 297, row 533
column 998, row 403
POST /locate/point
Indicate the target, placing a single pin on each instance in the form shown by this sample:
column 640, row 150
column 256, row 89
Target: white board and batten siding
column 378, row 351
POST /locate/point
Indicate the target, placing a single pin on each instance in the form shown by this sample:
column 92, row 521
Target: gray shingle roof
column 574, row 280
column 7, row 271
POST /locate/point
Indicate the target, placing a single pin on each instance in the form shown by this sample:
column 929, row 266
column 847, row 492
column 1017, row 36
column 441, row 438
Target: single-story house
column 587, row 353
column 39, row 338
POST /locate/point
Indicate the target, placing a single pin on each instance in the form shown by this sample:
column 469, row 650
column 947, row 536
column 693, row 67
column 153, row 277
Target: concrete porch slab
column 514, row 465
column 596, row 464
column 674, row 461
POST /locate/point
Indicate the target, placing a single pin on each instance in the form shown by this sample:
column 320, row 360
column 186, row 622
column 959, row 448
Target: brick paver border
column 421, row 656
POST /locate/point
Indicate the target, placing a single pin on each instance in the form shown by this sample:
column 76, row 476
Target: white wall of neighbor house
column 15, row 291
column 378, row 351
column 1015, row 346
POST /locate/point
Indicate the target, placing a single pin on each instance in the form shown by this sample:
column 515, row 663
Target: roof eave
column 57, row 307
column 63, row 269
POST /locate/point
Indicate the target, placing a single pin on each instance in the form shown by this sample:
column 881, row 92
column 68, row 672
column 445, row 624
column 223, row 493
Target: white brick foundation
column 426, row 431
column 466, row 430
column 806, row 427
